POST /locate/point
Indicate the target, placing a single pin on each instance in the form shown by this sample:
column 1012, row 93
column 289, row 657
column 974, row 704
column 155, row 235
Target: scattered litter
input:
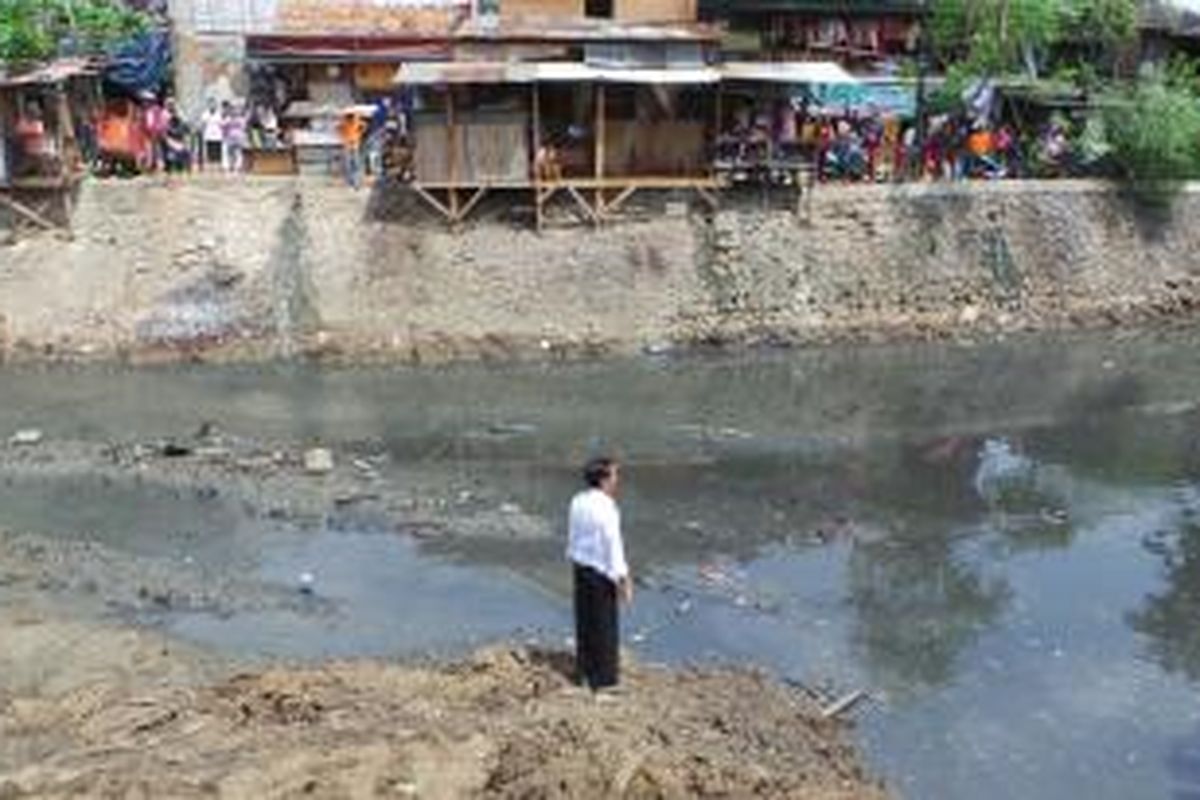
column 26, row 438
column 1055, row 516
column 318, row 461
column 844, row 704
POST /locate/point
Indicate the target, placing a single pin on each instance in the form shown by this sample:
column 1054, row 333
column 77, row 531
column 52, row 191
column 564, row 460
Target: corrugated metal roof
column 430, row 74
column 821, row 72
column 569, row 71
column 54, row 72
column 582, row 30
column 731, row 8
column 419, row 73
column 1175, row 17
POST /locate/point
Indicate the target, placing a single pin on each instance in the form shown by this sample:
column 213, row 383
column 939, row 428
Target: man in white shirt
column 596, row 550
column 212, row 135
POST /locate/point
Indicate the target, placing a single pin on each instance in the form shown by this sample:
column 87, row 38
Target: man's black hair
column 597, row 470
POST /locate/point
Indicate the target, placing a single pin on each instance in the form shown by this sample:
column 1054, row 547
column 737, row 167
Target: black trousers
column 597, row 628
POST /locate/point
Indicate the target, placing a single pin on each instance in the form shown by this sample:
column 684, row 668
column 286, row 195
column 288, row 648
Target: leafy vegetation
column 996, row 37
column 1153, row 128
column 36, row 30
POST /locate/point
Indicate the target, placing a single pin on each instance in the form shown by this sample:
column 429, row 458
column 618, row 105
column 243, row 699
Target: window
column 600, row 8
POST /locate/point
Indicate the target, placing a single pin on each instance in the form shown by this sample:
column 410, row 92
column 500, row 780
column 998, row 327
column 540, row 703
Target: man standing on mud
column 597, row 552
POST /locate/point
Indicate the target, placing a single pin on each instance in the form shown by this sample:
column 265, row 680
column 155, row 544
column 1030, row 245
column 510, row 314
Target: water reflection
column 916, row 608
column 1183, row 762
column 1168, row 618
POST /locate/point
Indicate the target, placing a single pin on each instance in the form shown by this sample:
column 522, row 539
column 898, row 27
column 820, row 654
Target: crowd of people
column 868, row 145
column 146, row 134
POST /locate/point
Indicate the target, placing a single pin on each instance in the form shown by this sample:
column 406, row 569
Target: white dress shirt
column 594, row 526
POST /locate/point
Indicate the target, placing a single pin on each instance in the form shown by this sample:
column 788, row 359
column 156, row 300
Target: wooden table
column 271, row 161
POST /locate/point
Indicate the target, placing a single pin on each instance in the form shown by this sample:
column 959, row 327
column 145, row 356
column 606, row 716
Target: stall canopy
column 873, row 96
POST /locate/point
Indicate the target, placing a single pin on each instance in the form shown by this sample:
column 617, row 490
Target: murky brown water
column 1000, row 542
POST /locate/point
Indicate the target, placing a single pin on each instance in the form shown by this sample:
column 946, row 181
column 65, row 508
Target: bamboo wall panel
column 563, row 9
column 655, row 10
column 489, row 147
column 662, row 149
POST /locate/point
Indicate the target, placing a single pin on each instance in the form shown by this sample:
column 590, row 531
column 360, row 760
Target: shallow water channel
column 1000, row 542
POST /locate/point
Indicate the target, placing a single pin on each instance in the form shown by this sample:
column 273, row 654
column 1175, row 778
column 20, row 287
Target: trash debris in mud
column 318, row 461
column 26, row 438
column 175, row 450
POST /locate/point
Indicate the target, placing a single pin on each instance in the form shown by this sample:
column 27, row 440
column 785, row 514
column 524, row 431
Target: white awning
column 810, row 72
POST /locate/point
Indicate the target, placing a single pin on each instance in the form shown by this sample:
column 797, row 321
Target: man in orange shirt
column 980, row 146
column 351, row 129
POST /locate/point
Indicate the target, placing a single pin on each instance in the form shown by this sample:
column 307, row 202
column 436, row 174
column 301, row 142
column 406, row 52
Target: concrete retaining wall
column 249, row 267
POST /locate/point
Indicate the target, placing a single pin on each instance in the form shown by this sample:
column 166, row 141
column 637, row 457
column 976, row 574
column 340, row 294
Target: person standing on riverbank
column 597, row 553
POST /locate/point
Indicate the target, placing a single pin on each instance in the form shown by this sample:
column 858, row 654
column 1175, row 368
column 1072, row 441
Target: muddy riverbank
column 98, row 697
column 258, row 269
column 504, row 723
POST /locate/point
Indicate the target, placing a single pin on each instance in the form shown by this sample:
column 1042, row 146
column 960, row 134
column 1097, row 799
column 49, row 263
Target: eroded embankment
column 253, row 268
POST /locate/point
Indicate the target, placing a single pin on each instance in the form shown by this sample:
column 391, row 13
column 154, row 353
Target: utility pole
column 922, row 120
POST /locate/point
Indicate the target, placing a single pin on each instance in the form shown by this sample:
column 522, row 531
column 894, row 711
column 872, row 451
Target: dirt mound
column 506, row 723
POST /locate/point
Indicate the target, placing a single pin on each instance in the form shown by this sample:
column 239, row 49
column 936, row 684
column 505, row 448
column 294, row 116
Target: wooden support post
column 472, row 202
column 68, row 210
column 428, row 197
column 600, row 133
column 593, row 215
column 709, row 197
column 716, row 137
column 622, row 196
column 28, row 213
column 68, row 145
column 452, row 154
column 536, row 103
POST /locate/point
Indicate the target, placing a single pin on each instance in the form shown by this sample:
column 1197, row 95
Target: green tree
column 995, row 37
column 35, row 30
column 1154, row 129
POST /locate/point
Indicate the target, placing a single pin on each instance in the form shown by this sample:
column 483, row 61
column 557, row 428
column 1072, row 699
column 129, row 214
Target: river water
column 1000, row 542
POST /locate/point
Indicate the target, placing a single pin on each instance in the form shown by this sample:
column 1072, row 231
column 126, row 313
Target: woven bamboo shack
column 593, row 134
column 584, row 111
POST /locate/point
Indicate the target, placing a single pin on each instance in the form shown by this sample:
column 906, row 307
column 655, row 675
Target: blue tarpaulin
column 140, row 64
column 882, row 97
